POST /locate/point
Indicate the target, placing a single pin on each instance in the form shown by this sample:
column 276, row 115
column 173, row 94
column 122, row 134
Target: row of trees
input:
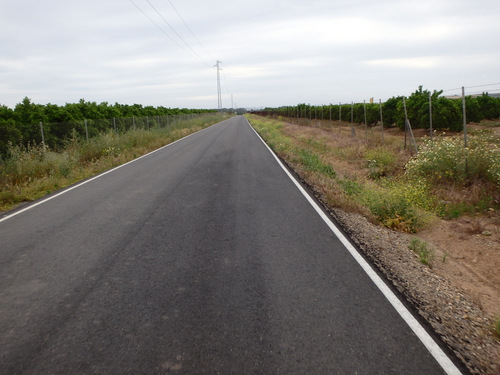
column 446, row 113
column 21, row 125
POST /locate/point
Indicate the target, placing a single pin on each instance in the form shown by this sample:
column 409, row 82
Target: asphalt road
column 200, row 258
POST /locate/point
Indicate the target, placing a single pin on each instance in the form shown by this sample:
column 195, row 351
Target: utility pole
column 219, row 94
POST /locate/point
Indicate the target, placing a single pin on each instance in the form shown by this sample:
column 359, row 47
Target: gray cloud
column 274, row 53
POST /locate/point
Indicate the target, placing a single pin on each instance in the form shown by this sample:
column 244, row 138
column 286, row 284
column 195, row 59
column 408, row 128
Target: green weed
column 425, row 254
column 350, row 187
column 399, row 205
column 313, row 163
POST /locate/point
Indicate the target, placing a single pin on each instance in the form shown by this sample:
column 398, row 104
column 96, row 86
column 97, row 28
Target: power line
column 482, row 92
column 176, row 33
column 189, row 29
column 472, row 87
column 161, row 29
column 489, row 84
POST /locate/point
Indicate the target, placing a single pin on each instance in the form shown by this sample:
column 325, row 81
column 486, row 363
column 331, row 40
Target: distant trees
column 446, row 113
column 21, row 125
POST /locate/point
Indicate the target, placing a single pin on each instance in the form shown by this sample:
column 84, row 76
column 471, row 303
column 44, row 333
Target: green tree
column 28, row 117
column 390, row 110
column 446, row 114
column 8, row 134
column 489, row 106
column 473, row 110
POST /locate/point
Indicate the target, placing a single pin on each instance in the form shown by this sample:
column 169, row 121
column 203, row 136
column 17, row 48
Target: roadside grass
column 313, row 162
column 424, row 252
column 385, row 182
column 29, row 173
column 381, row 161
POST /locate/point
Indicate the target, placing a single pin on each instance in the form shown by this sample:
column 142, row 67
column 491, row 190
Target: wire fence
column 423, row 110
column 52, row 134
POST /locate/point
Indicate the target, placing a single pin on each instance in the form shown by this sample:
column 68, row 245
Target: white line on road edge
column 445, row 362
column 94, row 178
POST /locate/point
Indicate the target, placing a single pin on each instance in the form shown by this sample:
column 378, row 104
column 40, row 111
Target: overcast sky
column 274, row 52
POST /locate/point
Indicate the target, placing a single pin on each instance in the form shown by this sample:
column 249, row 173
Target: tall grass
column 28, row 173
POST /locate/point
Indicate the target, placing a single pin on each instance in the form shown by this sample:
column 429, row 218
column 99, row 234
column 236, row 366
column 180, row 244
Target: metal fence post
column 465, row 133
column 464, row 118
column 381, row 121
column 430, row 114
column 366, row 125
column 43, row 136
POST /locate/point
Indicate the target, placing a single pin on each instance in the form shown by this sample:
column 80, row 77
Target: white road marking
column 445, row 362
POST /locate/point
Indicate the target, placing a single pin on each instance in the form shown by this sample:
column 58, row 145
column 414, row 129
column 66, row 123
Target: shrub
column 399, row 205
column 446, row 160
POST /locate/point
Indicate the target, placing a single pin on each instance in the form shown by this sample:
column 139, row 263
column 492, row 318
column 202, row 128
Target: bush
column 399, row 205
column 446, row 160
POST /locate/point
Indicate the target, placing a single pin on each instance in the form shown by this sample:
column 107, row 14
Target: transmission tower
column 219, row 94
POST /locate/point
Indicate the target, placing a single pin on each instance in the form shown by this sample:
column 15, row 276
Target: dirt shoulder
column 451, row 303
column 458, row 294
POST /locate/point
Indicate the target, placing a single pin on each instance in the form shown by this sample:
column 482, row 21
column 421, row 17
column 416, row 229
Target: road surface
column 201, row 258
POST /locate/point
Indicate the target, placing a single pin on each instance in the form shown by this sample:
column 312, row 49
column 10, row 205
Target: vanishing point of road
column 203, row 257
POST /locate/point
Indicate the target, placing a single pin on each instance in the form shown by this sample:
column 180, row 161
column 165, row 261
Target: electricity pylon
column 219, row 94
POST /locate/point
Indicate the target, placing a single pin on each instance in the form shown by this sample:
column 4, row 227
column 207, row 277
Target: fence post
column 340, row 113
column 86, row 130
column 381, row 121
column 430, row 114
column 43, row 136
column 340, row 118
column 408, row 128
column 463, row 113
column 465, row 132
column 366, row 125
column 353, row 131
